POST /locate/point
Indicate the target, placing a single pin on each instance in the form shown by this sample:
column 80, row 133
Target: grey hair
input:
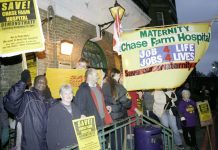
column 89, row 71
column 65, row 88
column 186, row 92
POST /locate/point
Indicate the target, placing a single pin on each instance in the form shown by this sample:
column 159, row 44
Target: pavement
column 202, row 136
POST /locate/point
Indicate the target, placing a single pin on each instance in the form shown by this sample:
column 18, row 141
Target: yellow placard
column 162, row 57
column 86, row 133
column 204, row 113
column 20, row 27
column 57, row 77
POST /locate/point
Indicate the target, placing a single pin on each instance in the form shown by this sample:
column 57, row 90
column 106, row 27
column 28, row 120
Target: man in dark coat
column 90, row 99
column 60, row 132
column 30, row 110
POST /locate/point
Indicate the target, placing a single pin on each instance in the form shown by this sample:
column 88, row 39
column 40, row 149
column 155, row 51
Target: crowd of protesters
column 45, row 123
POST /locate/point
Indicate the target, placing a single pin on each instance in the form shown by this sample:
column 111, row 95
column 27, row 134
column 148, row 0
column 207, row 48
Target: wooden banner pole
column 24, row 63
column 208, row 133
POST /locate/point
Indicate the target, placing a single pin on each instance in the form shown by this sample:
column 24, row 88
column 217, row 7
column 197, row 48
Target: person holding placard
column 187, row 111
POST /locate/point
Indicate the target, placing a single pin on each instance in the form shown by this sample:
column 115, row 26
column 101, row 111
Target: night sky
column 201, row 10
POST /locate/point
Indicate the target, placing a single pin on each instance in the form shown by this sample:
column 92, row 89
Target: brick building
column 76, row 22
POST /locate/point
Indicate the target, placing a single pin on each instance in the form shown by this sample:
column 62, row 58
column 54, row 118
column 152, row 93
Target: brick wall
column 8, row 76
column 76, row 30
column 106, row 44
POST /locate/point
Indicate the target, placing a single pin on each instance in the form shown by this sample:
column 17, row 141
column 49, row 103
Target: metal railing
column 120, row 134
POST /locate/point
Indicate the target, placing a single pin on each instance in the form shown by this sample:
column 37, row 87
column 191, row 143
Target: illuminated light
column 66, row 47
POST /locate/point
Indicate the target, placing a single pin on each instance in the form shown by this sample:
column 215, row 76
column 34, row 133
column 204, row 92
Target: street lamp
column 117, row 8
column 113, row 10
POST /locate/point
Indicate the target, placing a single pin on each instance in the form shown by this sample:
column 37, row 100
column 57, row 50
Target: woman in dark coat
column 60, row 132
column 117, row 98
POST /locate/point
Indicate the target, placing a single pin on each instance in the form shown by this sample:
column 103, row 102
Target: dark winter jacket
column 31, row 110
column 60, row 132
column 120, row 104
column 86, row 103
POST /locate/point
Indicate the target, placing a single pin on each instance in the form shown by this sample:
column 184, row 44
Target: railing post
column 137, row 120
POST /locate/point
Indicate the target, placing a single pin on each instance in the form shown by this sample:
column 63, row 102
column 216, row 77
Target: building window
column 160, row 18
column 94, row 54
